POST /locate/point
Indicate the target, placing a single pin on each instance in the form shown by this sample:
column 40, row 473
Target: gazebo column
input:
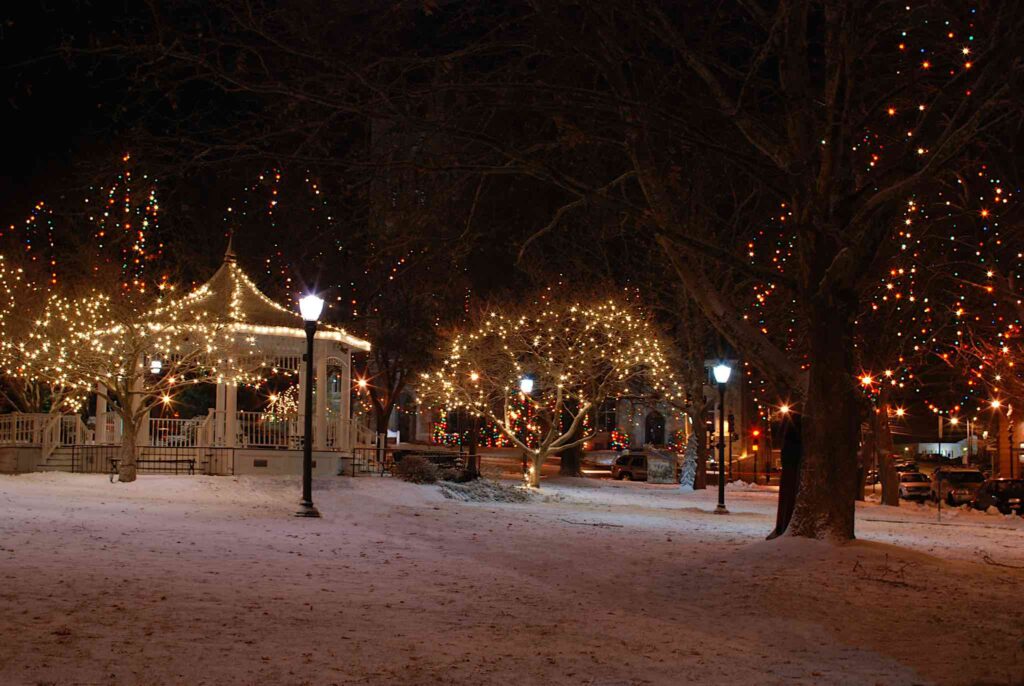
column 218, row 415
column 100, row 435
column 320, row 418
column 300, row 430
column 230, row 414
column 347, row 439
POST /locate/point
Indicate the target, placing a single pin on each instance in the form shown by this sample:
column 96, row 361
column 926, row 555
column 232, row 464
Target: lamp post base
column 720, row 509
column 307, row 510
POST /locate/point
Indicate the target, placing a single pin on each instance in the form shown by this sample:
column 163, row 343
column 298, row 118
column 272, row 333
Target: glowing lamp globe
column 311, row 306
column 721, row 372
column 526, row 385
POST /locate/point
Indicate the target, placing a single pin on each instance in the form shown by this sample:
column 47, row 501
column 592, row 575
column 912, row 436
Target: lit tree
column 560, row 359
column 22, row 303
column 133, row 351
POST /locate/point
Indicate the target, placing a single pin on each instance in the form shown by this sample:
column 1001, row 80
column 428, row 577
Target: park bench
column 188, row 465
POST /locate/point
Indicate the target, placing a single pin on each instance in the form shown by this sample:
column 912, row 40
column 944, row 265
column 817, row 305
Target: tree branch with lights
column 559, row 359
column 135, row 351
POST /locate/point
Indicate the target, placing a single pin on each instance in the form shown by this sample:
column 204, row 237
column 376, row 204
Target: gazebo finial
column 229, row 253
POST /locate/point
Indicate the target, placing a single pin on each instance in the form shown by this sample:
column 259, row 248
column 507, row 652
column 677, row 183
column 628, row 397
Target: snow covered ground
column 206, row 580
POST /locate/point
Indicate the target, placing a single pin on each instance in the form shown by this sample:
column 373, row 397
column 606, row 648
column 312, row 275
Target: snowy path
column 211, row 581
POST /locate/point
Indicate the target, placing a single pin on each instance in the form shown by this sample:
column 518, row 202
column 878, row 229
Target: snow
column 208, row 580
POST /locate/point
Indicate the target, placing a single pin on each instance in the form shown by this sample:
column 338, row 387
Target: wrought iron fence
column 103, row 459
column 93, row 459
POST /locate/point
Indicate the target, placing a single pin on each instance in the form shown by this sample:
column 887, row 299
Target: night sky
column 55, row 114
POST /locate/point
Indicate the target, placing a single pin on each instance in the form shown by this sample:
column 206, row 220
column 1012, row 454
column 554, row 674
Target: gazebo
column 230, row 296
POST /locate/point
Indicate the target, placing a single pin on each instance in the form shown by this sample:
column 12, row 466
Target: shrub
column 416, row 469
column 456, row 475
column 485, row 490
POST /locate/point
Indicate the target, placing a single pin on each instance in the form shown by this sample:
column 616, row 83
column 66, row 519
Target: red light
column 757, row 432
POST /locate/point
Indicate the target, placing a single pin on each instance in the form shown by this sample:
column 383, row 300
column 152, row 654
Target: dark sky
column 54, row 114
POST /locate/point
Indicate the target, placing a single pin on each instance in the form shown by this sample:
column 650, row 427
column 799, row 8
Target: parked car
column 630, row 467
column 1006, row 495
column 914, row 486
column 906, row 466
column 955, row 485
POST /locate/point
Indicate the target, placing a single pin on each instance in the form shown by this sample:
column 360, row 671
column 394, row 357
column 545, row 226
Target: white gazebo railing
column 48, row 431
column 22, row 429
column 251, row 430
column 176, row 433
column 260, row 430
column 69, row 430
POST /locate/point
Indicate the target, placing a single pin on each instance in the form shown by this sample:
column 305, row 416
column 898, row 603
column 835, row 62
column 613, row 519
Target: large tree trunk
column 791, row 454
column 825, row 504
column 127, row 467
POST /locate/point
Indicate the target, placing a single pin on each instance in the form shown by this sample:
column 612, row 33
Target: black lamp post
column 310, row 307
column 721, row 372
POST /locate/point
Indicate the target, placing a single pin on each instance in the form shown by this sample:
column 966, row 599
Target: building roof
column 230, row 294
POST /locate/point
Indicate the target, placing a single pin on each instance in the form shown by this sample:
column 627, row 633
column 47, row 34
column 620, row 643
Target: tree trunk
column 825, row 503
column 700, row 430
column 571, row 461
column 533, row 473
column 887, row 473
column 865, row 456
column 382, row 416
column 473, row 461
column 688, row 474
column 890, row 479
column 789, row 481
column 127, row 467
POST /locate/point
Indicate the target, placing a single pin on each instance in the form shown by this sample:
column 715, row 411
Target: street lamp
column 721, row 372
column 310, row 306
column 155, row 366
column 526, row 385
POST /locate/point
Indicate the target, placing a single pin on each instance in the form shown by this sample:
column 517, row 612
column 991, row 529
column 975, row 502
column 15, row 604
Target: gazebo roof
column 230, row 294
